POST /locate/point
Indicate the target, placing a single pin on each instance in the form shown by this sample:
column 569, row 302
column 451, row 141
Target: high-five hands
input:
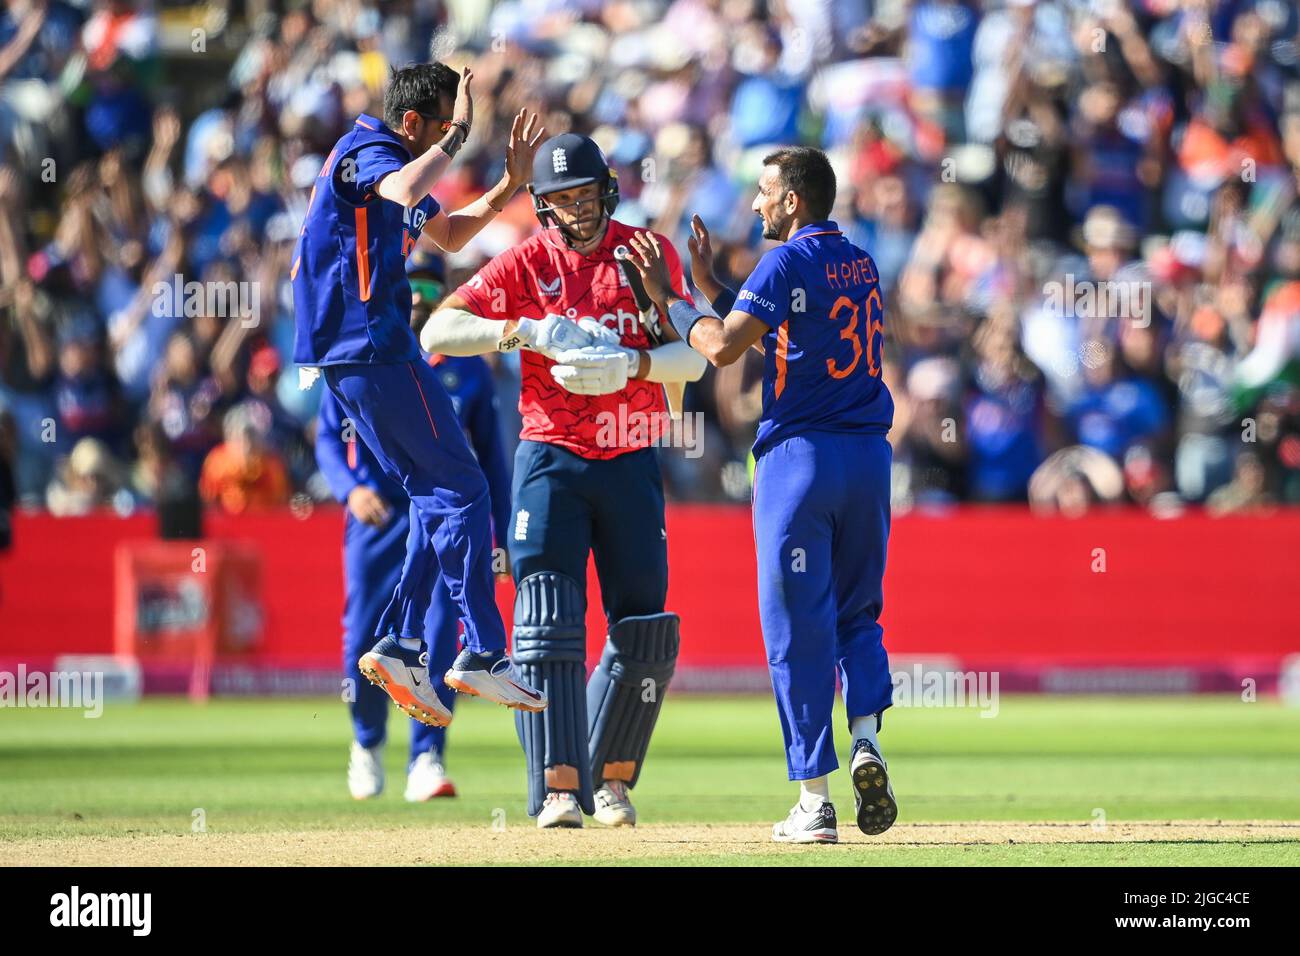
column 702, row 270
column 522, row 147
column 463, row 110
column 647, row 257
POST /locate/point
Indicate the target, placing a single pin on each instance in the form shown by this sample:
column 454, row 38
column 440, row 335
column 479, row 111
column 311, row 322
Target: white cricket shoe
column 366, row 771
column 499, row 682
column 427, row 779
column 560, row 810
column 404, row 676
column 613, row 807
column 808, row 826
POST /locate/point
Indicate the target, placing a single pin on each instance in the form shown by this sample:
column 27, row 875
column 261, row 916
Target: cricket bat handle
column 675, row 396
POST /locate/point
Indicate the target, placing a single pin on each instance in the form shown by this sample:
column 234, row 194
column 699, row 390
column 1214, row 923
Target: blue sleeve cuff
column 724, row 303
column 683, row 316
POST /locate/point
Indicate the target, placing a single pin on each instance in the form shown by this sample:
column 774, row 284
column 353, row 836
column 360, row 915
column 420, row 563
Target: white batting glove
column 549, row 336
column 594, row 370
column 601, row 334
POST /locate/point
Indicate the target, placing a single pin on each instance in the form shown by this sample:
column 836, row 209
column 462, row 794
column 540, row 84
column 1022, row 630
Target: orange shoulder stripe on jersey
column 363, row 254
column 311, row 201
column 782, row 348
column 360, row 122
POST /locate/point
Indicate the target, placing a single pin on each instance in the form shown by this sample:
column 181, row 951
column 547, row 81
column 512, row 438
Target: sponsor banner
column 1117, row 602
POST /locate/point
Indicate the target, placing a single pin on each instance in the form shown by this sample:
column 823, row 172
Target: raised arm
column 453, row 231
column 410, row 184
column 720, row 341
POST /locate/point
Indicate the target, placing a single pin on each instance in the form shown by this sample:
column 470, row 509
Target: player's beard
column 775, row 226
column 596, row 224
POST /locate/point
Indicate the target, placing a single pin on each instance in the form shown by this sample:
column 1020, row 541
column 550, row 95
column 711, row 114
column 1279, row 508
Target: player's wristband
column 683, row 316
column 724, row 303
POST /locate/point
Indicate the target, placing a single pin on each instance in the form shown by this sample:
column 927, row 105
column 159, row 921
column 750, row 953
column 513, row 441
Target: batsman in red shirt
column 597, row 367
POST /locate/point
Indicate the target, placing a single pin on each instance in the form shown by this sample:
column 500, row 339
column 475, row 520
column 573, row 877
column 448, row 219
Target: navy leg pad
column 626, row 691
column 550, row 649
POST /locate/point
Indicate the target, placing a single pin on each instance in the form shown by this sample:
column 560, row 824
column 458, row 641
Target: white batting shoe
column 560, row 811
column 808, row 826
column 404, row 676
column 365, row 771
column 427, row 779
column 498, row 681
column 613, row 807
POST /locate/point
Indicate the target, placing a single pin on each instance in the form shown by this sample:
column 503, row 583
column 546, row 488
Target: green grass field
column 1033, row 785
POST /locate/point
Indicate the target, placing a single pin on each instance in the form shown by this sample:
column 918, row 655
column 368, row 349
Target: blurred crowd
column 1084, row 213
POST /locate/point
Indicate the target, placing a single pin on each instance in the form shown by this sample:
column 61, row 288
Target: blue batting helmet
column 566, row 162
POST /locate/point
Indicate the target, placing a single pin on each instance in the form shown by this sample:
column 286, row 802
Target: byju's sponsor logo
column 757, row 300
column 75, row 908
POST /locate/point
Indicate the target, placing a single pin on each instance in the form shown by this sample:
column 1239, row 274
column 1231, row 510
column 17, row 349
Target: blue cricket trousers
column 372, row 561
column 821, row 524
column 404, row 415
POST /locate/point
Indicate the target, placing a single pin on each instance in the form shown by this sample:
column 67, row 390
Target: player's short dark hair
column 418, row 87
column 806, row 172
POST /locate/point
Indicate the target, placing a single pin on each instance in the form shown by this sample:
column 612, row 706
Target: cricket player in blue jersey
column 352, row 309
column 374, row 545
column 821, row 485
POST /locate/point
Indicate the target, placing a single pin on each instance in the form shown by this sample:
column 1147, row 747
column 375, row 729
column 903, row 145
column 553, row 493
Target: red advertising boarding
column 178, row 607
column 1117, row 601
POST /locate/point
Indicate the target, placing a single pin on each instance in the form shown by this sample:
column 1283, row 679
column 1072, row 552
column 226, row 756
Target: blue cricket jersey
column 820, row 296
column 468, row 381
column 351, row 299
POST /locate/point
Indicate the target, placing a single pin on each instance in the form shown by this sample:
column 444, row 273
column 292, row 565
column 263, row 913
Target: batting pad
column 550, row 649
column 626, row 691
